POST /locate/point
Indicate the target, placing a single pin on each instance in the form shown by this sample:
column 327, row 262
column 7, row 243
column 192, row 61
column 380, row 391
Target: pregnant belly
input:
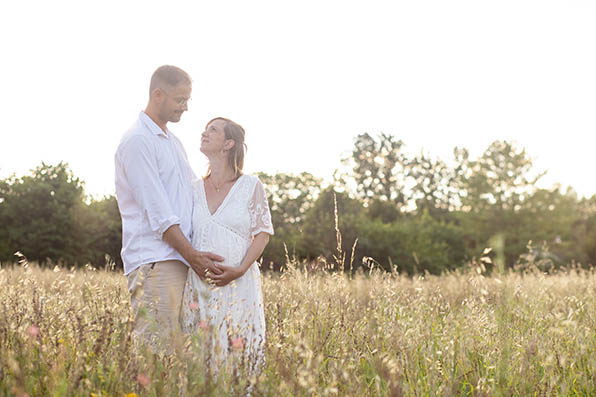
column 223, row 242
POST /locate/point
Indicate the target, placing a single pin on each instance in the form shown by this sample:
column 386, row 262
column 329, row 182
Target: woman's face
column 213, row 139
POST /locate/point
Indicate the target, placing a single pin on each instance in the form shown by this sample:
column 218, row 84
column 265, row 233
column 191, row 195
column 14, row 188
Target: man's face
column 175, row 102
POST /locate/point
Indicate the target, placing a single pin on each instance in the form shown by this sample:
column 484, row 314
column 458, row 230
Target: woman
column 231, row 218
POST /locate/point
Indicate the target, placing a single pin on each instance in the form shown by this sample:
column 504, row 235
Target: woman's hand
column 229, row 274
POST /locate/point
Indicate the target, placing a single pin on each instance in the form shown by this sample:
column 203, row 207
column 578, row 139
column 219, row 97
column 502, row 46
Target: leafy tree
column 320, row 234
column 494, row 190
column 5, row 250
column 432, row 190
column 418, row 214
column 100, row 229
column 383, row 210
column 412, row 245
column 38, row 214
column 383, row 173
column 290, row 198
column 500, row 179
column 584, row 231
column 378, row 165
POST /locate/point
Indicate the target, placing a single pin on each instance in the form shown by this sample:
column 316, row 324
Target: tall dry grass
column 67, row 333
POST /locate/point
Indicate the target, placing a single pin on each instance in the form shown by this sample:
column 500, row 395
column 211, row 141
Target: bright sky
column 303, row 78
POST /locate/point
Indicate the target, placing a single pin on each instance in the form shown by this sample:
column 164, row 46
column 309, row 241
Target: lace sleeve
column 258, row 208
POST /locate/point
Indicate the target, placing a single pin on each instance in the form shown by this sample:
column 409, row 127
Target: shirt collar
column 151, row 126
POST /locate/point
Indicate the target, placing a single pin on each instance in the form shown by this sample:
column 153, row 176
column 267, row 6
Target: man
column 155, row 198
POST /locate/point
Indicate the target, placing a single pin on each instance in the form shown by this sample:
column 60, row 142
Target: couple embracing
column 190, row 245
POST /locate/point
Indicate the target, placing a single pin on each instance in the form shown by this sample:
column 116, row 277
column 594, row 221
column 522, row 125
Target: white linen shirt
column 154, row 192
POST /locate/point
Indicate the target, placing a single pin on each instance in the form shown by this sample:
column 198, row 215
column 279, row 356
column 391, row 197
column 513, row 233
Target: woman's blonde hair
column 235, row 132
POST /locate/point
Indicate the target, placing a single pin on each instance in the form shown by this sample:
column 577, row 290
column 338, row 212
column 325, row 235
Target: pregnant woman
column 231, row 218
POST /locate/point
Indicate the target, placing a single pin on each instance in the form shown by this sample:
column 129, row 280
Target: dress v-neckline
column 228, row 194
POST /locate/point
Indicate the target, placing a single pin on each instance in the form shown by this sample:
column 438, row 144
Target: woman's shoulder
column 250, row 177
column 251, row 180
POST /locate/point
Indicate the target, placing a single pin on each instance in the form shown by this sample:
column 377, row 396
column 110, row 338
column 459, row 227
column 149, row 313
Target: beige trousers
column 156, row 296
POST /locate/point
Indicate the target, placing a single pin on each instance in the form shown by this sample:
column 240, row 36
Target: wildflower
column 203, row 324
column 131, row 395
column 19, row 392
column 193, row 305
column 143, row 380
column 237, row 343
column 33, row 331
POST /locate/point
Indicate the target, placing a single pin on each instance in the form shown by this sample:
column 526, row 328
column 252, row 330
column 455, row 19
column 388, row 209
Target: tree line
column 413, row 213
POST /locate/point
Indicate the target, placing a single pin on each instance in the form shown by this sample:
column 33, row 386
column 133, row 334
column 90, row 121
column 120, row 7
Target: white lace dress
column 233, row 314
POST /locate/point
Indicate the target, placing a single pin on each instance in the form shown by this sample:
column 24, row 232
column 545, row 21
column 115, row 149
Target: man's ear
column 158, row 95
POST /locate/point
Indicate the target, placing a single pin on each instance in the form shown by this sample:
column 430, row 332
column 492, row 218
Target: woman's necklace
column 217, row 189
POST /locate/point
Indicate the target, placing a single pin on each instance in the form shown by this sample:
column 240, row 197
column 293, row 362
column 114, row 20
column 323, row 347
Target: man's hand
column 203, row 263
column 227, row 275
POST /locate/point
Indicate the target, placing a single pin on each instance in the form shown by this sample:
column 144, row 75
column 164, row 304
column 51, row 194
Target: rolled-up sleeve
column 141, row 172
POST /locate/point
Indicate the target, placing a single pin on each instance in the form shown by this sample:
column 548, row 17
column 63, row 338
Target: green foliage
column 499, row 198
column 319, row 229
column 412, row 245
column 501, row 178
column 415, row 213
column 378, row 166
column 584, row 232
column 290, row 198
column 101, row 231
column 422, row 215
column 383, row 210
column 432, row 189
column 44, row 216
column 38, row 214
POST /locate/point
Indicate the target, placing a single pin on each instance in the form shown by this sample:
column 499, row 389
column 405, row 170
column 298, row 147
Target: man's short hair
column 167, row 77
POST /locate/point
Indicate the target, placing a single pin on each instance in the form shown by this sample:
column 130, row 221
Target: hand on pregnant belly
column 229, row 274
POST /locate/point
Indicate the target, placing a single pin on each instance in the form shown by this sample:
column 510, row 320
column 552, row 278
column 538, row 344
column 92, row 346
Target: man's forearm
column 198, row 261
column 174, row 236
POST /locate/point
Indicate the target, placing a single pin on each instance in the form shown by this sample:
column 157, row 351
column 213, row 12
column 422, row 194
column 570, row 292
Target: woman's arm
column 231, row 273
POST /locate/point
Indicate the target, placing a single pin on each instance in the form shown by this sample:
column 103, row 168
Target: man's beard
column 175, row 117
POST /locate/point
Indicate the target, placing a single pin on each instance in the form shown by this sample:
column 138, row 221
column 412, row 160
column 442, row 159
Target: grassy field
column 67, row 333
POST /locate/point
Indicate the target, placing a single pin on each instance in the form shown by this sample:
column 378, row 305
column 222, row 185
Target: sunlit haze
column 303, row 78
